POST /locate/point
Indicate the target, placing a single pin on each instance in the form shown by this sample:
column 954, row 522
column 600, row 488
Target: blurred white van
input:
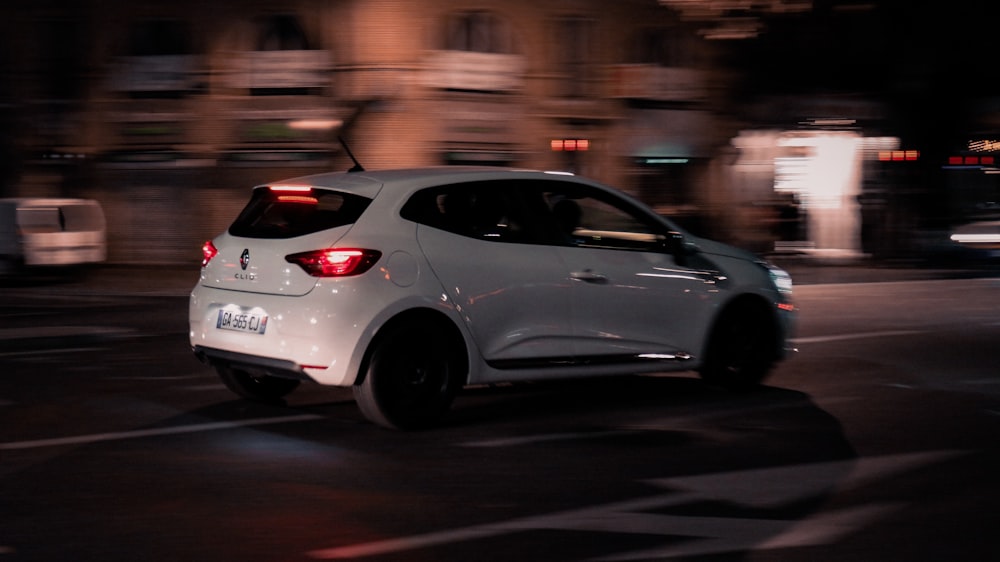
column 38, row 232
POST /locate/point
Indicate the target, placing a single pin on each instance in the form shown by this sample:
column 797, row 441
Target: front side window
column 286, row 214
column 591, row 218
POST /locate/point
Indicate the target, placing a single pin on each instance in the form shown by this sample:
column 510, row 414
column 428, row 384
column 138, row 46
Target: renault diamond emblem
column 245, row 259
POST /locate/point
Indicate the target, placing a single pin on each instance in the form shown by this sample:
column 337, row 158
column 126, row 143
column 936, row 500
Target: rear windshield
column 287, row 214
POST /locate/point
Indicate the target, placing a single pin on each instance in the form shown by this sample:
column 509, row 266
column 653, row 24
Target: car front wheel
column 258, row 388
column 741, row 349
column 412, row 377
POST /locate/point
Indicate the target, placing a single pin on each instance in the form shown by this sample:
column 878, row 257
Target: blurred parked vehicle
column 409, row 284
column 51, row 233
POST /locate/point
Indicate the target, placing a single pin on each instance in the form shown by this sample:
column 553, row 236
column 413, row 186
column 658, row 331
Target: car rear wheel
column 741, row 349
column 412, row 377
column 261, row 388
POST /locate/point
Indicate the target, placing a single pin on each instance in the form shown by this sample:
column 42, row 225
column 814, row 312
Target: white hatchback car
column 409, row 284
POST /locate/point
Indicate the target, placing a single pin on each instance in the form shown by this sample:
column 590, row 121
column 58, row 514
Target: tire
column 741, row 350
column 413, row 374
column 262, row 388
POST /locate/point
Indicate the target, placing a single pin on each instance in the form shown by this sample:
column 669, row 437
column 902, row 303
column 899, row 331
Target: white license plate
column 249, row 322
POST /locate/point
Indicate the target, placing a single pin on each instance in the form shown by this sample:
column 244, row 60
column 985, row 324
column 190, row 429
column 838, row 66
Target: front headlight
column 781, row 279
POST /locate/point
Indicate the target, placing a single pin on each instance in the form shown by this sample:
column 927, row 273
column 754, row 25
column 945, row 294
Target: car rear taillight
column 336, row 262
column 208, row 251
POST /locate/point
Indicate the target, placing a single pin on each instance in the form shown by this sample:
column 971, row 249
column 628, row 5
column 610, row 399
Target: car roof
column 404, row 181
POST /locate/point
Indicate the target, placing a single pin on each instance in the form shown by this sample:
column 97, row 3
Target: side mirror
column 680, row 246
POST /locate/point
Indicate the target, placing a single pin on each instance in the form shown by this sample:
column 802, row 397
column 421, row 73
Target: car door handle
column 588, row 276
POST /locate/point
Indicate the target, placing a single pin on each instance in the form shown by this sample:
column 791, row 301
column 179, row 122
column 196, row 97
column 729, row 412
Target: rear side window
column 289, row 213
column 488, row 210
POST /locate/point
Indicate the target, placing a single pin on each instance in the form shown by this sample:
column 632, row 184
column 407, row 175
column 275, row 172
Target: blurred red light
column 290, row 188
column 335, row 262
column 569, row 145
column 298, row 199
column 208, row 251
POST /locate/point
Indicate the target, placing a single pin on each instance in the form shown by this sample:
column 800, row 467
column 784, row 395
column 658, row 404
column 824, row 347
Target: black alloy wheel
column 741, row 349
column 412, row 377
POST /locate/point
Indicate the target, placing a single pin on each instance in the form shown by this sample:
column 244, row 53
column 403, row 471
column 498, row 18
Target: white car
column 409, row 284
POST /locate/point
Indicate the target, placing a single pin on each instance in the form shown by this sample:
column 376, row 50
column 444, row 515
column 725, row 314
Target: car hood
column 713, row 248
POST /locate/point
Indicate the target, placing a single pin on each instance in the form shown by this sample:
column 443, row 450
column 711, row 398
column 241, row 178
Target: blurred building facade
column 168, row 113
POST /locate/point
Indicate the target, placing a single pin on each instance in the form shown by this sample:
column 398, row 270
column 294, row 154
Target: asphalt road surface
column 877, row 441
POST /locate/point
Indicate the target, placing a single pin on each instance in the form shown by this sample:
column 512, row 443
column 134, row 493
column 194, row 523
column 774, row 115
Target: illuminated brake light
column 335, row 262
column 290, row 188
column 208, row 251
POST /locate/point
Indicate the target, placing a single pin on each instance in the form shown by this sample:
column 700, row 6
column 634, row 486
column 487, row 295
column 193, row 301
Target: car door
column 511, row 290
column 632, row 294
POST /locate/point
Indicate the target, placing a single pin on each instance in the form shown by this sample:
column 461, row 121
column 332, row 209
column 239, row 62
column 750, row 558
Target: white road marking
column 545, row 437
column 51, row 351
column 62, row 332
column 205, row 387
column 551, row 521
column 751, row 488
column 672, row 423
column 119, row 435
column 155, row 378
column 721, row 535
column 857, row 336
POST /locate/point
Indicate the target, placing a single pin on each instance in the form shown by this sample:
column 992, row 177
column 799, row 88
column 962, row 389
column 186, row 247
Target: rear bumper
column 253, row 364
column 313, row 337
